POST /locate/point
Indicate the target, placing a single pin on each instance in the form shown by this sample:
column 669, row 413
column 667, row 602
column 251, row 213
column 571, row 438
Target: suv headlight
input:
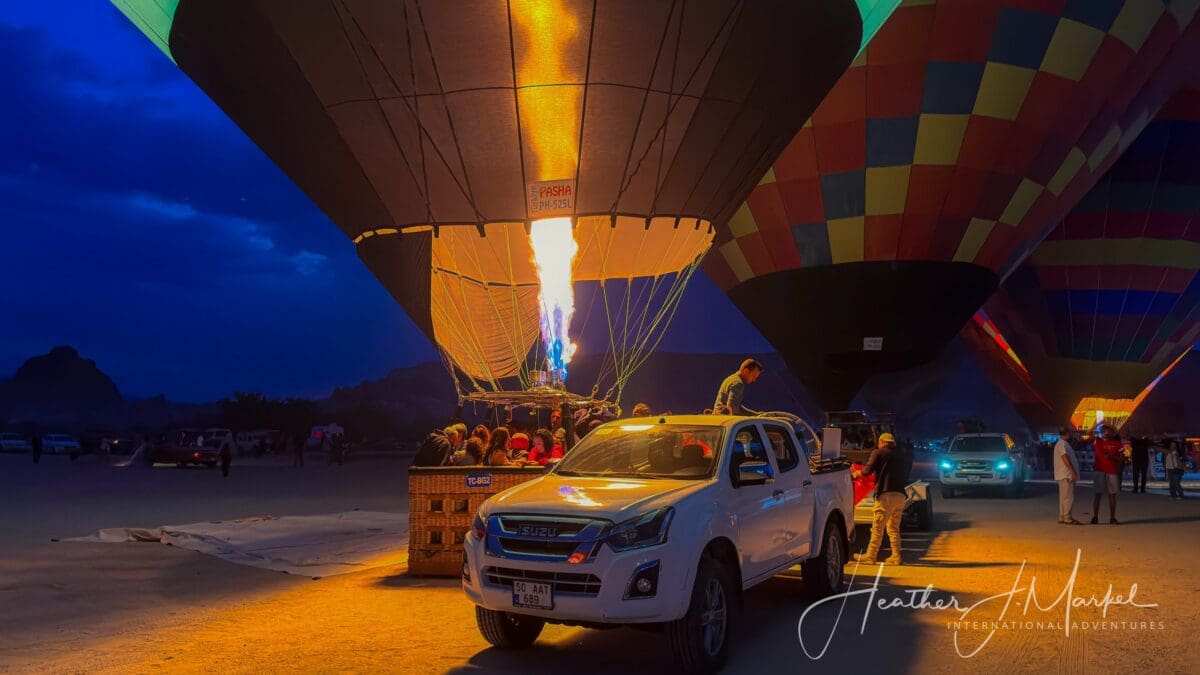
column 648, row 529
column 478, row 527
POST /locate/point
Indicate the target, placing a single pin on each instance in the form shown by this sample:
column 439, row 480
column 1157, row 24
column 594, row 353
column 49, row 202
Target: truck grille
column 565, row 583
column 975, row 465
column 545, row 538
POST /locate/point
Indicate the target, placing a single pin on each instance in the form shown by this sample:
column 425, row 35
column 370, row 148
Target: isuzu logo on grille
column 537, row 531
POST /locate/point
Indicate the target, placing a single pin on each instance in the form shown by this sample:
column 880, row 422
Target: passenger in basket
column 481, row 432
column 891, row 467
column 471, row 454
column 497, row 451
column 519, row 448
column 560, row 440
column 641, row 410
column 544, row 450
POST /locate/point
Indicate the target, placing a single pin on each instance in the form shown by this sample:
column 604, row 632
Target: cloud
column 143, row 227
column 308, row 263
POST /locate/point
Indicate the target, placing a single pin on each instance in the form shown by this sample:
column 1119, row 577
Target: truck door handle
column 806, row 483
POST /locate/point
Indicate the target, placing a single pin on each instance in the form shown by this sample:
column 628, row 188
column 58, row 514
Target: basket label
column 476, row 480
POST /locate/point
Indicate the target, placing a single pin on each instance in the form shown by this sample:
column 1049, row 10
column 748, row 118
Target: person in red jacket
column 544, row 448
column 1106, row 479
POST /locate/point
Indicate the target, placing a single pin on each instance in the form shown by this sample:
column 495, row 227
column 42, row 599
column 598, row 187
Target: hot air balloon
column 487, row 157
column 1110, row 301
column 954, row 143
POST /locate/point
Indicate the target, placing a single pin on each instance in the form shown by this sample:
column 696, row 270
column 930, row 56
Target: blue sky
column 144, row 228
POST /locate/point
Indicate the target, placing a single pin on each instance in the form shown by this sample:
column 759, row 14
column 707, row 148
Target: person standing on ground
column 891, row 468
column 1109, row 455
column 226, row 453
column 1173, row 467
column 1066, row 472
column 296, row 450
column 733, row 389
column 1140, row 447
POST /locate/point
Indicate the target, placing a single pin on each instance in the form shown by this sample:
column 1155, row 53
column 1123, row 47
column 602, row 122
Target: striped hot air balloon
column 955, row 142
column 1110, row 301
column 486, row 156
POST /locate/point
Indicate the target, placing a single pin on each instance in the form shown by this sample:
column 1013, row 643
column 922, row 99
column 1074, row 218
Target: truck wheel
column 507, row 630
column 824, row 574
column 925, row 513
column 947, row 492
column 700, row 640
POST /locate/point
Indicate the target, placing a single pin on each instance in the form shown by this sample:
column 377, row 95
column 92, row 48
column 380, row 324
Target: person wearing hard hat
column 891, row 467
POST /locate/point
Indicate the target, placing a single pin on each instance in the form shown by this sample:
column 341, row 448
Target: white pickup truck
column 660, row 522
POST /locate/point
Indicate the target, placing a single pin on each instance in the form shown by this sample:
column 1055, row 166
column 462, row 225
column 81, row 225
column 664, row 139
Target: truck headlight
column 478, row 527
column 946, row 465
column 648, row 529
column 1003, row 464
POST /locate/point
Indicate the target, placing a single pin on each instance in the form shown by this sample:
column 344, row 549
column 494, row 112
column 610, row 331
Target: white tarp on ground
column 315, row 546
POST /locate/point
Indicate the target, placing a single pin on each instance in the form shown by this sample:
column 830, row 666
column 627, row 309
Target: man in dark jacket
column 891, row 467
column 437, row 447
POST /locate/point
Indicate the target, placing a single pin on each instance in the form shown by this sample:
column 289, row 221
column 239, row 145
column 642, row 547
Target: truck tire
column 700, row 640
column 506, row 630
column 947, row 492
column 824, row 574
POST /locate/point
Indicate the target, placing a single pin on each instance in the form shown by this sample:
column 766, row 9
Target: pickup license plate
column 529, row 594
column 972, row 479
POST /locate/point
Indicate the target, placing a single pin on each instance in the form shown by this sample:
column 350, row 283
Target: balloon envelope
column 963, row 132
column 433, row 133
column 1111, row 299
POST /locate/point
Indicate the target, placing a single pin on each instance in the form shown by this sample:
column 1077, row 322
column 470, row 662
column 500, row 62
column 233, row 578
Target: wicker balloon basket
column 442, row 501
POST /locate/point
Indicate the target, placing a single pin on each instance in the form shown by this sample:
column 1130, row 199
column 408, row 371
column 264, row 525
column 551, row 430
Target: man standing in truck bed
column 729, row 396
column 891, row 467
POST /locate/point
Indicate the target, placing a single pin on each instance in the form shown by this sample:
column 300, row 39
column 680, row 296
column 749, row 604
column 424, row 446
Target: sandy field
column 82, row 607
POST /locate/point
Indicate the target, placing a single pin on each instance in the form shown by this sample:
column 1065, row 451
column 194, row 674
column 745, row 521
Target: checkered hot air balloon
column 1110, row 301
column 955, row 142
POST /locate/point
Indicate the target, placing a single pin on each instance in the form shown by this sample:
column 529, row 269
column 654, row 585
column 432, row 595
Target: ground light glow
column 554, row 249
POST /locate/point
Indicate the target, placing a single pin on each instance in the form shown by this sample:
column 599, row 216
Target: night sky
column 145, row 229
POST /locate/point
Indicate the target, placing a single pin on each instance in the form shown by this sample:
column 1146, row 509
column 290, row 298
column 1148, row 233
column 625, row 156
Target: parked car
column 660, row 523
column 190, row 446
column 248, row 441
column 60, row 444
column 12, row 442
column 982, row 460
column 318, row 434
column 119, row 445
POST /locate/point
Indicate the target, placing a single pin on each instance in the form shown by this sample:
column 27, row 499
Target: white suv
column 982, row 460
column 661, row 522
column 60, row 444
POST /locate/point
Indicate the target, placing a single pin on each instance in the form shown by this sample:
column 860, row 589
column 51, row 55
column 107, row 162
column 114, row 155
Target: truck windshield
column 645, row 451
column 979, row 444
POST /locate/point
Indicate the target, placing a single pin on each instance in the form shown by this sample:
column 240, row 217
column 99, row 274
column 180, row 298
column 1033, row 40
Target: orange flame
column 548, row 101
column 549, row 114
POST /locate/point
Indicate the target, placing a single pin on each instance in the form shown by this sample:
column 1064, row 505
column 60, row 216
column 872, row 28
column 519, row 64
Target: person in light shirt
column 1066, row 472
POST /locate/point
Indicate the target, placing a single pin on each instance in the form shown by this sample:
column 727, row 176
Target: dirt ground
column 76, row 607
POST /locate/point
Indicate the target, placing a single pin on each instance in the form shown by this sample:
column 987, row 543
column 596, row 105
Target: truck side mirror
column 753, row 472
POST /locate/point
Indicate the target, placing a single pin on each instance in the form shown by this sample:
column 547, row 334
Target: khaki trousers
column 1066, row 498
column 888, row 509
